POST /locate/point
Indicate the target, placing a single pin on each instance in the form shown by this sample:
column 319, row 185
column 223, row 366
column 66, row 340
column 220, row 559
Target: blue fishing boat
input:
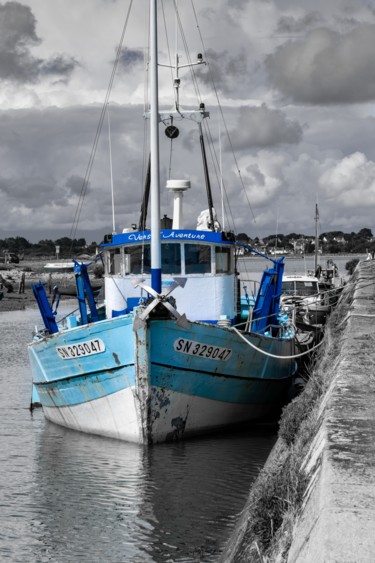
column 170, row 353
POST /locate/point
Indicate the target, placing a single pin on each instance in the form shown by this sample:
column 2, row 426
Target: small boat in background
column 310, row 297
column 60, row 267
column 330, row 282
column 303, row 299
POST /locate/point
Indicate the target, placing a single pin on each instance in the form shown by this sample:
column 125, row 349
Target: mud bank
column 315, row 498
column 34, row 272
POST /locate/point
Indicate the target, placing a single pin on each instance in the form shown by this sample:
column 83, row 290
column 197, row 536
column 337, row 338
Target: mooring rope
column 274, row 355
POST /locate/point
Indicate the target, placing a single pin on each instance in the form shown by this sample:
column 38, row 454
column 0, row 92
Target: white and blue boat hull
column 159, row 382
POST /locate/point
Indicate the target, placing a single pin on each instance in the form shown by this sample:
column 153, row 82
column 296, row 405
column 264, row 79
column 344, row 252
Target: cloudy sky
column 296, row 84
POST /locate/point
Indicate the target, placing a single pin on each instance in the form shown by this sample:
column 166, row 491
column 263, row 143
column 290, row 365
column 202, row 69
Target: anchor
column 181, row 320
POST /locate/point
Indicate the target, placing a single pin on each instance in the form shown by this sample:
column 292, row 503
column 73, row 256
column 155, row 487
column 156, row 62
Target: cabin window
column 137, row 259
column 197, row 259
column 171, row 258
column 114, row 261
column 306, row 288
column 288, row 287
column 222, row 259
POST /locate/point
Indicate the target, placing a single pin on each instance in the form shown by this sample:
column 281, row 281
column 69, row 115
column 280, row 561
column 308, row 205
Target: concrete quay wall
column 336, row 521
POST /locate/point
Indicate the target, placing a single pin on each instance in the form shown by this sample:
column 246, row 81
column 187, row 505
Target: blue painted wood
column 172, row 235
column 243, row 379
column 267, row 303
column 45, row 308
column 117, row 335
column 84, row 388
column 84, row 292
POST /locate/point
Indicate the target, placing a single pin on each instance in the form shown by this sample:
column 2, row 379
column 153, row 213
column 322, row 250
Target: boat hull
column 113, row 416
column 159, row 382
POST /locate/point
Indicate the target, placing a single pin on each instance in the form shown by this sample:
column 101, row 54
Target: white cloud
column 326, row 67
column 350, row 182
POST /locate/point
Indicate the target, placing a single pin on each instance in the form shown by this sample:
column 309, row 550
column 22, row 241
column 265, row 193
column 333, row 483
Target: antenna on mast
column 316, row 237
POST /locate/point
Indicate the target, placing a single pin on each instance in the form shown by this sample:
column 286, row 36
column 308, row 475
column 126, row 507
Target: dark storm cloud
column 290, row 24
column 17, row 37
column 238, row 4
column 58, row 65
column 32, row 193
column 131, row 58
column 40, row 191
column 74, row 184
column 17, row 26
column 264, row 127
column 224, row 70
column 44, row 158
column 326, row 67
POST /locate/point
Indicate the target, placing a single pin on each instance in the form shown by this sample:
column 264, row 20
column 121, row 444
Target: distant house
column 279, row 252
column 299, row 245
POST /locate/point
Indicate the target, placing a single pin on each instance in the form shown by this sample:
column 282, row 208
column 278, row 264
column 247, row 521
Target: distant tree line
column 332, row 242
column 68, row 247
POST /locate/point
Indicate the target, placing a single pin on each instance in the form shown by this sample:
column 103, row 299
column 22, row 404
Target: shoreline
column 17, row 302
column 34, row 272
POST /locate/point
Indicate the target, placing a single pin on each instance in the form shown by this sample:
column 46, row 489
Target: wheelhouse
column 300, row 286
column 177, row 259
column 205, row 259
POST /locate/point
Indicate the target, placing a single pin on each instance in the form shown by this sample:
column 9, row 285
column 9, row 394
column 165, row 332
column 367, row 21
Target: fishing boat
column 309, row 298
column 303, row 298
column 168, row 355
column 60, row 267
column 330, row 282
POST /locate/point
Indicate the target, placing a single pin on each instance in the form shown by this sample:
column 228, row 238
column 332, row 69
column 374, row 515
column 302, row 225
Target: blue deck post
column 45, row 308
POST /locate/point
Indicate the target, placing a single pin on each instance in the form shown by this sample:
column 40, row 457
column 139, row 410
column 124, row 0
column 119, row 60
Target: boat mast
column 111, row 170
column 316, row 237
column 154, row 145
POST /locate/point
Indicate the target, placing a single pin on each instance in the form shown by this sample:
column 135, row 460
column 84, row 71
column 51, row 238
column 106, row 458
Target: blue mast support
column 45, row 308
column 267, row 302
column 84, row 291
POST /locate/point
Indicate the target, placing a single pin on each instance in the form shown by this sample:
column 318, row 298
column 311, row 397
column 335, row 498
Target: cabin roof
column 296, row 277
column 168, row 235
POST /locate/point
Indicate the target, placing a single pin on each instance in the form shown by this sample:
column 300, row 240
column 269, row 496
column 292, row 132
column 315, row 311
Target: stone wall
column 336, row 520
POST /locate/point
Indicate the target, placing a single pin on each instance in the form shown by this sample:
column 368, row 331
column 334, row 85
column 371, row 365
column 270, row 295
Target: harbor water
column 66, row 496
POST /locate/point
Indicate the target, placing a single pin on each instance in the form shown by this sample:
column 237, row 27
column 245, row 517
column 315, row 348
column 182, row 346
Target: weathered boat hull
column 317, row 314
column 159, row 382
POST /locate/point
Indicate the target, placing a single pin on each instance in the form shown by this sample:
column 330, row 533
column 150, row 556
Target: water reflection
column 105, row 500
column 89, row 490
column 190, row 487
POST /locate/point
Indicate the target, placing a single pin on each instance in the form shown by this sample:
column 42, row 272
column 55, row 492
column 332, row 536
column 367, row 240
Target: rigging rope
column 222, row 115
column 82, row 195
